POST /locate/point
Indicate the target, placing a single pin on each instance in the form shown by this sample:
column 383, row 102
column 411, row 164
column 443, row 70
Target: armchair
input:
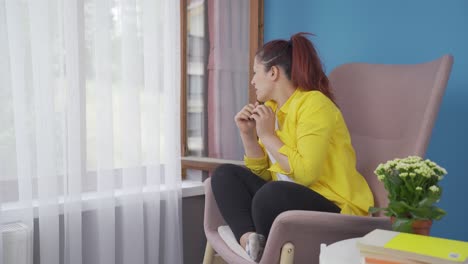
column 390, row 111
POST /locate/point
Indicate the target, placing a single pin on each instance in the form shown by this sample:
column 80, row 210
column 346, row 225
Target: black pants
column 250, row 204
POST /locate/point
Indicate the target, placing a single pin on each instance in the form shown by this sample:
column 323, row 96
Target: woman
column 297, row 148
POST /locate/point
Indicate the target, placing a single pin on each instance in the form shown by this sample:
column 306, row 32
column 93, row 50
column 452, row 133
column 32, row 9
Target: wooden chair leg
column 287, row 254
column 209, row 254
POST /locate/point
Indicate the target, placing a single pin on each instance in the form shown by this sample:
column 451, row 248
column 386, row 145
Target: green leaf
column 427, row 201
column 422, row 213
column 399, row 208
column 437, row 213
column 373, row 210
column 403, row 225
column 431, row 212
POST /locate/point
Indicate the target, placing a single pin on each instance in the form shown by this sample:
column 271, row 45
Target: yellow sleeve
column 313, row 133
column 259, row 166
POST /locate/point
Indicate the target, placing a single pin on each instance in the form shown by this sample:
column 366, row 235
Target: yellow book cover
column 431, row 246
column 416, row 247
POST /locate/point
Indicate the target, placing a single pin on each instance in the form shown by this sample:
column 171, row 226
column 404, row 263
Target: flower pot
column 420, row 227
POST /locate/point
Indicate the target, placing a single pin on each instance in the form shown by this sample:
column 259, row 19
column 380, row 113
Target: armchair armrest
column 213, row 218
column 307, row 230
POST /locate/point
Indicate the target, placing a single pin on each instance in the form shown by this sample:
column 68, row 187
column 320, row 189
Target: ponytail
column 300, row 61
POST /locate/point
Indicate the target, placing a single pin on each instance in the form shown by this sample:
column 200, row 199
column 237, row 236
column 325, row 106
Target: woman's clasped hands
column 256, row 118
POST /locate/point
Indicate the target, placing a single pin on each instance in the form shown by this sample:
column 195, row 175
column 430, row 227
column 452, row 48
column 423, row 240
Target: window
column 220, row 38
column 101, row 68
column 196, row 76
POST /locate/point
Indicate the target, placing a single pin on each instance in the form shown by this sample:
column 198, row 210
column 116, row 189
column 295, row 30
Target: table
column 341, row 252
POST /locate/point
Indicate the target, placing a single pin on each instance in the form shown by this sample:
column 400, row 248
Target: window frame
column 255, row 41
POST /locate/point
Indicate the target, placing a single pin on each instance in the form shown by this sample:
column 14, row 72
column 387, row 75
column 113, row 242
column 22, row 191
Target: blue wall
column 398, row 31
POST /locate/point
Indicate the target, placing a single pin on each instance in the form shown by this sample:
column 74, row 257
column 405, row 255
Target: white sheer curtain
column 90, row 128
column 228, row 79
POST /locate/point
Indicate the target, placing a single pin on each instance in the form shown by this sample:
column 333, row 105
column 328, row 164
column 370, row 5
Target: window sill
column 192, row 188
column 15, row 211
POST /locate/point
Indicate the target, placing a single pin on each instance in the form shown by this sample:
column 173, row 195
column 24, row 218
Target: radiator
column 17, row 243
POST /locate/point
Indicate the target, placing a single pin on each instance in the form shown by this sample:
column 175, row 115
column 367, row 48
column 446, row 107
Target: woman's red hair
column 299, row 59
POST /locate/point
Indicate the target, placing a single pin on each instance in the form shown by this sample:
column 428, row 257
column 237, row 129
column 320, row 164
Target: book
column 399, row 247
column 371, row 258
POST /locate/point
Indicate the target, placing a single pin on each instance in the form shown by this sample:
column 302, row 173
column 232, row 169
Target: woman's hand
column 264, row 120
column 246, row 125
column 243, row 119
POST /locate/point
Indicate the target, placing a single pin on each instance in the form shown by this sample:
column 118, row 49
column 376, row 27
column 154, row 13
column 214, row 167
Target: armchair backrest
column 390, row 110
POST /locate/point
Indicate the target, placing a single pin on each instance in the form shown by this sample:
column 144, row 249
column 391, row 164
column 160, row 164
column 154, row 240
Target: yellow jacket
column 318, row 146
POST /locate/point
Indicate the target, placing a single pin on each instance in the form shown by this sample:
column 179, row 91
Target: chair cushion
column 226, row 234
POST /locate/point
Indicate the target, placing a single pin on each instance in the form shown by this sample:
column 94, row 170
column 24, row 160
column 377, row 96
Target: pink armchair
column 390, row 111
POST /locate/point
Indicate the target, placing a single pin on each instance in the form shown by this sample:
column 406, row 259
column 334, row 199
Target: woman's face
column 262, row 82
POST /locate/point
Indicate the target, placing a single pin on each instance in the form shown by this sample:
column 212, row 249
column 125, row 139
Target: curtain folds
column 228, row 75
column 90, row 94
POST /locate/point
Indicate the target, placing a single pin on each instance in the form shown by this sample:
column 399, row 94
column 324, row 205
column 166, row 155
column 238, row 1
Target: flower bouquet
column 412, row 185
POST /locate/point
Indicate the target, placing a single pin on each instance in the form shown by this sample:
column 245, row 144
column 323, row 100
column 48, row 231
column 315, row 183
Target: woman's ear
column 274, row 73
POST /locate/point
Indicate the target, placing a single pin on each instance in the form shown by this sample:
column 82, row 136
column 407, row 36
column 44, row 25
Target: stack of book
column 388, row 247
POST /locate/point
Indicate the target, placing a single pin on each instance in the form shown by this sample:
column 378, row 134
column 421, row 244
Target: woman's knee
column 272, row 189
column 266, row 196
column 223, row 174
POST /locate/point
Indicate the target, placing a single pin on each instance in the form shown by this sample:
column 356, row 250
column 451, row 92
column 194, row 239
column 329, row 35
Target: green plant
column 412, row 185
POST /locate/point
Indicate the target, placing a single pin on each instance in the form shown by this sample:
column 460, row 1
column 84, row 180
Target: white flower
column 424, row 171
column 419, row 188
column 403, row 174
column 413, row 159
column 443, row 171
column 378, row 169
column 434, row 188
column 402, row 166
column 381, row 177
column 386, row 166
